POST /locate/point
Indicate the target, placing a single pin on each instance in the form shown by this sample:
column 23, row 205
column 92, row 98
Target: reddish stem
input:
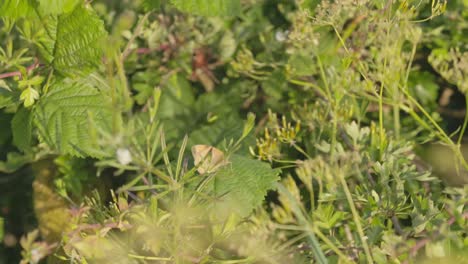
column 143, row 51
column 18, row 73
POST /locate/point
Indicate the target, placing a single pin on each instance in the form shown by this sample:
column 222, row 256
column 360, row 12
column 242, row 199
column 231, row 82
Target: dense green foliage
column 229, row 131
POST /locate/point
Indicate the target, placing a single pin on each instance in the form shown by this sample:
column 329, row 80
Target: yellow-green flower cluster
column 269, row 146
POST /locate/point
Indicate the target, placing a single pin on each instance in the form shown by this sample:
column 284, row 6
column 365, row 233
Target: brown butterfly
column 208, row 159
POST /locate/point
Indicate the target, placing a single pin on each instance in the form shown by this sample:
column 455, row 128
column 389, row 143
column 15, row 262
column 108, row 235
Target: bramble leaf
column 242, row 185
column 209, row 7
column 70, row 113
column 73, row 41
column 56, row 6
column 17, row 8
column 28, row 8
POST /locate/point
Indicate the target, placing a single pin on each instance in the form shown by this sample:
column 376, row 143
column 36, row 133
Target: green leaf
column 73, row 41
column 424, row 86
column 242, row 185
column 149, row 5
column 227, row 46
column 69, row 116
column 17, row 8
column 227, row 127
column 56, row 6
column 29, row 96
column 28, row 8
column 176, row 98
column 21, row 126
column 209, row 7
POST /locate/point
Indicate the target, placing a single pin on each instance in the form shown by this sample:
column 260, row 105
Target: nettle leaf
column 242, row 185
column 70, row 115
column 209, row 7
column 21, row 126
column 73, row 41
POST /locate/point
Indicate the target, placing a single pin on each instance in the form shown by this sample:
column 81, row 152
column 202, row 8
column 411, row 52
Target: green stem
column 465, row 122
column 441, row 133
column 302, row 219
column 332, row 246
column 356, row 218
column 148, row 257
column 383, row 139
column 316, row 88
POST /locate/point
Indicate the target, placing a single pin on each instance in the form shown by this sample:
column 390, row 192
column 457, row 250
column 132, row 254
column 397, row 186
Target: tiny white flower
column 281, row 36
column 124, row 156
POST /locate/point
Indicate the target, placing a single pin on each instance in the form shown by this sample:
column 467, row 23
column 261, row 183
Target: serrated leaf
column 56, row 6
column 73, row 42
column 28, row 8
column 209, row 7
column 21, row 126
column 17, row 8
column 63, row 116
column 242, row 185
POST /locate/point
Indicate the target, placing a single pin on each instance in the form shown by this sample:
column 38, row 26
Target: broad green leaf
column 209, row 7
column 177, row 97
column 70, row 116
column 227, row 127
column 17, row 8
column 242, row 185
column 56, row 6
column 73, row 41
column 28, row 8
column 21, row 126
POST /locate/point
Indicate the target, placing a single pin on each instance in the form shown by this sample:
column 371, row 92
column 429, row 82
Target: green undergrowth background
column 233, row 131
